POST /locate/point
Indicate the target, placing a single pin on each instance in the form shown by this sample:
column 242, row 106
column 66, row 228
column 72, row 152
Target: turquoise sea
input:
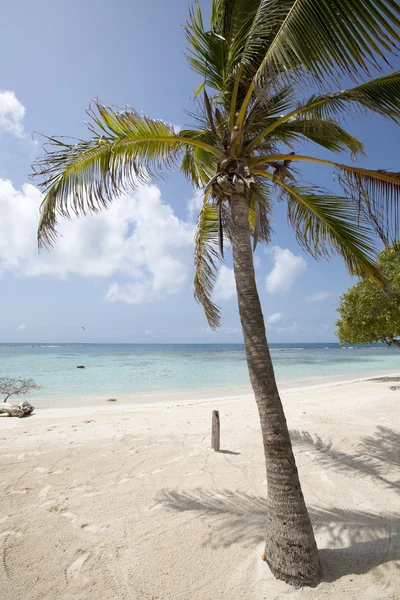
column 127, row 371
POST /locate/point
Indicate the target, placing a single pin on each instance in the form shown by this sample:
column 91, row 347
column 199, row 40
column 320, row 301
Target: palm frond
column 325, row 133
column 216, row 53
column 79, row 178
column 126, row 149
column 265, row 26
column 376, row 193
column 319, row 39
column 377, row 196
column 381, row 95
column 234, row 24
column 197, row 164
column 206, row 257
column 260, row 211
column 231, row 18
column 207, row 50
column 326, row 37
column 325, row 224
column 210, row 116
column 267, row 106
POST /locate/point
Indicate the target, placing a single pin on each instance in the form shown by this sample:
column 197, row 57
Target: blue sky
column 126, row 275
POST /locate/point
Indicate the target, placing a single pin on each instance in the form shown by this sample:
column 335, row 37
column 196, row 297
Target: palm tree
column 255, row 59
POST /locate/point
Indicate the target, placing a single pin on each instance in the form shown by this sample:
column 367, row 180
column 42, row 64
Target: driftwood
column 16, row 410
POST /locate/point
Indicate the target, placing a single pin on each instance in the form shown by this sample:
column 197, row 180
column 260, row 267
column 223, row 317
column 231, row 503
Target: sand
column 127, row 502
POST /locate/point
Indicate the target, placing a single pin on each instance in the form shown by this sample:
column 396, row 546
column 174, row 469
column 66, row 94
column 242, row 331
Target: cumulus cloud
column 138, row 237
column 287, row 269
column 11, row 113
column 225, row 287
column 257, row 262
column 275, row 318
column 319, row 296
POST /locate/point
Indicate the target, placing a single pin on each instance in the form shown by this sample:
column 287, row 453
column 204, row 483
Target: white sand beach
column 130, row 502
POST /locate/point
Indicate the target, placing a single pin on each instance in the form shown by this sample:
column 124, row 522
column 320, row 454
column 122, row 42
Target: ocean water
column 126, row 371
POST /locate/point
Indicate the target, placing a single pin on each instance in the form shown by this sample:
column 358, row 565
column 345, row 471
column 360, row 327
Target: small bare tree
column 16, row 387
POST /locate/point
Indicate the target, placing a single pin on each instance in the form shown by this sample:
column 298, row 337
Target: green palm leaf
column 232, row 21
column 375, row 192
column 248, row 41
column 377, row 195
column 260, row 211
column 78, row 178
column 207, row 53
column 267, row 107
column 325, row 133
column 126, row 149
column 326, row 37
column 232, row 18
column 326, row 224
column 198, row 165
column 380, row 95
column 206, row 257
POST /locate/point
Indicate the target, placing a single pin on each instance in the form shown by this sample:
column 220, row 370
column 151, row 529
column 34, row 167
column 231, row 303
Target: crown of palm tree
column 255, row 58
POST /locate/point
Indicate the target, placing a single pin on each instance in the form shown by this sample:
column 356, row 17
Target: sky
column 126, row 275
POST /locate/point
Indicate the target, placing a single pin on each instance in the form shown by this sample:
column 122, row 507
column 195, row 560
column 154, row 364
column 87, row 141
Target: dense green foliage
column 370, row 313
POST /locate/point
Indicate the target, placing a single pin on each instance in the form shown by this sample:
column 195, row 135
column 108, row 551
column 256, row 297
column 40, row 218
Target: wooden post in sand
column 215, row 431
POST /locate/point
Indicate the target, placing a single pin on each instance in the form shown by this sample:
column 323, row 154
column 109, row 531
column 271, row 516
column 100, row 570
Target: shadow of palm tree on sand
column 377, row 456
column 356, row 541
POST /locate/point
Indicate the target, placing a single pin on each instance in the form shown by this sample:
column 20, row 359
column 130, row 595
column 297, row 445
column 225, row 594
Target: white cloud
column 275, row 318
column 319, row 296
column 138, row 237
column 194, row 204
column 225, row 287
column 11, row 113
column 22, row 326
column 287, row 269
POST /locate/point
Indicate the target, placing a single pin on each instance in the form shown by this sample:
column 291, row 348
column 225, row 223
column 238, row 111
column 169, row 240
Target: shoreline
column 172, row 399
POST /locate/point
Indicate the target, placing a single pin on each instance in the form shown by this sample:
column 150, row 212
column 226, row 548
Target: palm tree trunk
column 290, row 550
